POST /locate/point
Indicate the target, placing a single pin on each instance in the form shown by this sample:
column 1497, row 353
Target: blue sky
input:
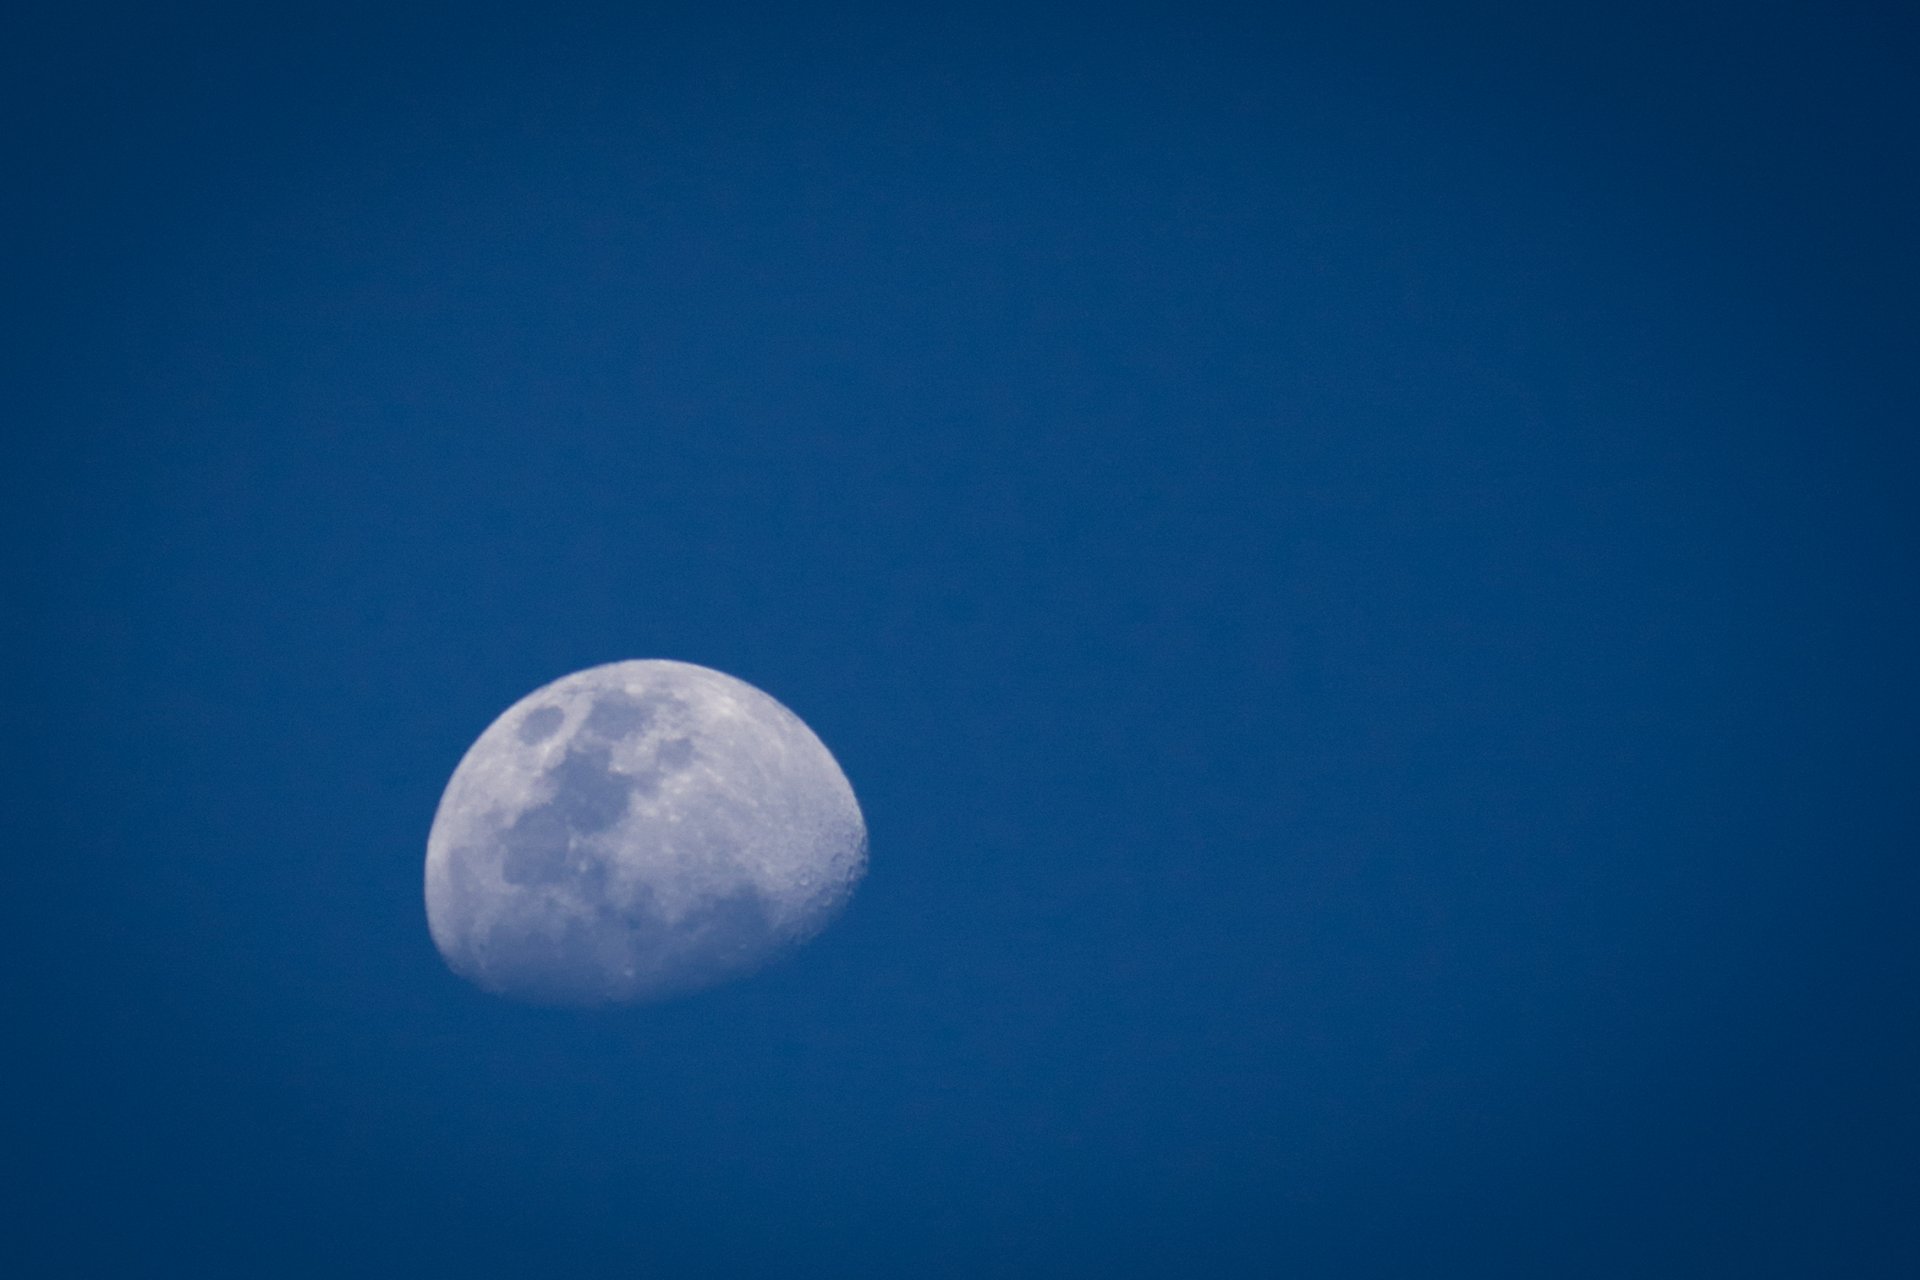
column 1360, row 567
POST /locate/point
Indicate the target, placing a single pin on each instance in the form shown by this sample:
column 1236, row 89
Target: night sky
column 1360, row 562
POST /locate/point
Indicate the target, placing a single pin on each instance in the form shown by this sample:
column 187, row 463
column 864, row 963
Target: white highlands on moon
column 634, row 831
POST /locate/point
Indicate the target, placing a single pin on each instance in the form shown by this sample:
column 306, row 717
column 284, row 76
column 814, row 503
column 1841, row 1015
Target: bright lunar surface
column 634, row 831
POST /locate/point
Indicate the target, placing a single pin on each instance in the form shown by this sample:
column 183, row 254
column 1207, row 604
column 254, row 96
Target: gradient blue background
column 1361, row 568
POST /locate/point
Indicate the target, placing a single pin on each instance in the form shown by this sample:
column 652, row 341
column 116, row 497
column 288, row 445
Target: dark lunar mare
column 540, row 724
column 558, row 959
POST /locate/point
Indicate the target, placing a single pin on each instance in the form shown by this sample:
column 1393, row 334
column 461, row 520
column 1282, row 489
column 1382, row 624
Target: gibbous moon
column 635, row 831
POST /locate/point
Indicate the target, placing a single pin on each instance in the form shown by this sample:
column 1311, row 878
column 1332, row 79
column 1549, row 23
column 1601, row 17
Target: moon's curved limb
column 635, row 831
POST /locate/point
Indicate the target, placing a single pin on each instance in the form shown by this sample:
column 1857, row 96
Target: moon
column 636, row 831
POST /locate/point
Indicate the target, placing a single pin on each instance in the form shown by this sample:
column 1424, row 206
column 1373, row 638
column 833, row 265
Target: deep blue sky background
column 1361, row 569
